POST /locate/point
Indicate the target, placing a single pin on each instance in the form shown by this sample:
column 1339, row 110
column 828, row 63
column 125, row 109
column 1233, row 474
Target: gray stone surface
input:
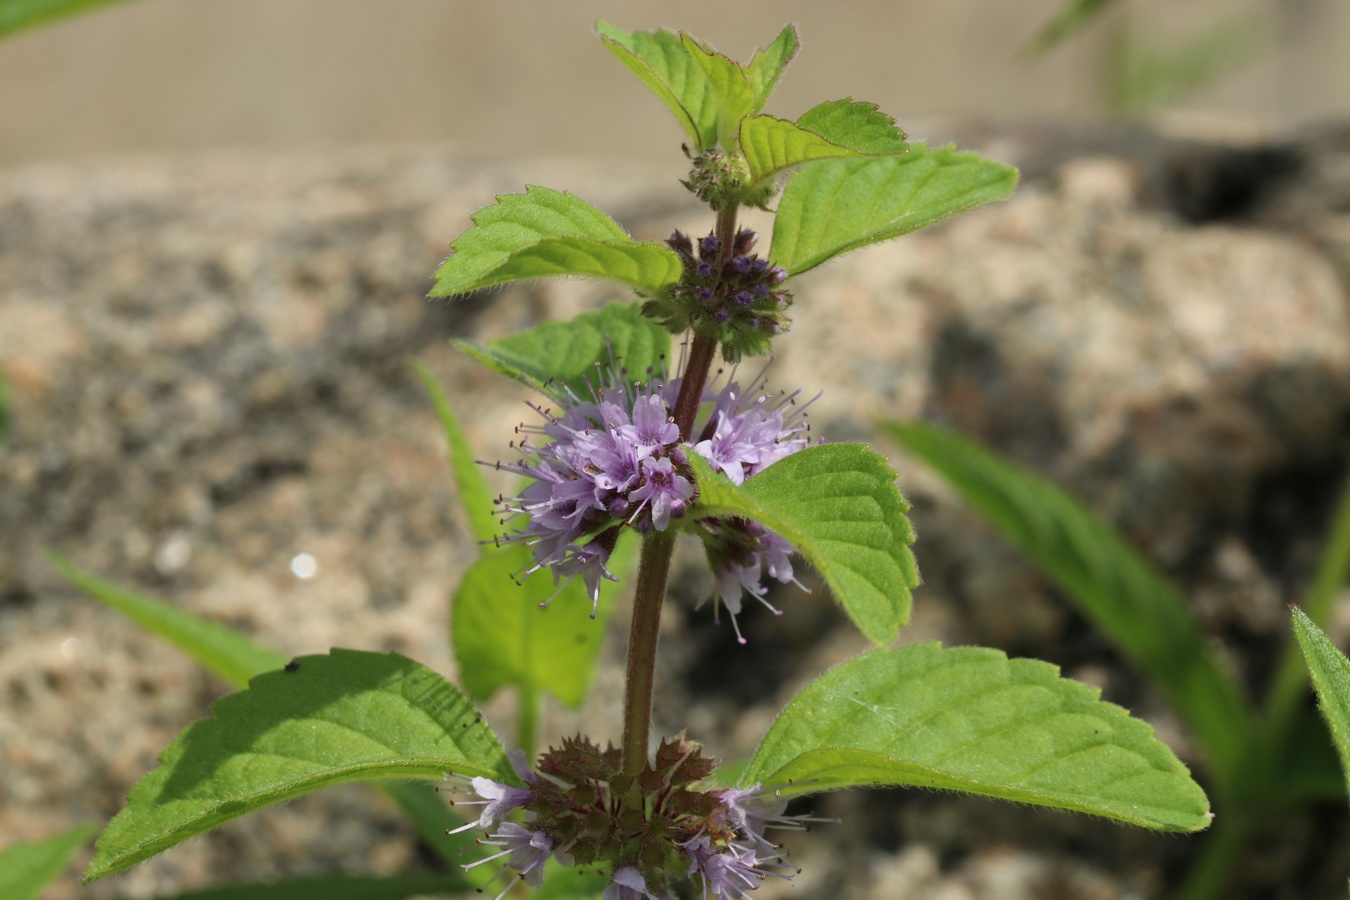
column 207, row 369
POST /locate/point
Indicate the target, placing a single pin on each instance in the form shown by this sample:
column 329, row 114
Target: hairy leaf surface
column 543, row 233
column 837, row 504
column 1330, row 670
column 969, row 719
column 664, row 65
column 731, row 91
column 26, row 869
column 856, row 125
column 1109, row 582
column 570, row 352
column 834, row 206
column 767, row 65
column 324, row 720
column 773, row 146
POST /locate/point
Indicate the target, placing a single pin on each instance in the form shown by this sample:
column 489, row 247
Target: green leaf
column 834, row 206
column 1330, row 671
column 731, row 91
column 767, row 65
column 25, row 869
column 542, row 233
column 661, row 61
column 970, row 719
column 1108, row 581
column 838, row 505
column 223, row 651
column 236, row 659
column 570, row 352
column 856, row 125
column 341, row 886
column 772, row 146
column 16, row 15
column 475, row 497
column 502, row 637
column 325, row 720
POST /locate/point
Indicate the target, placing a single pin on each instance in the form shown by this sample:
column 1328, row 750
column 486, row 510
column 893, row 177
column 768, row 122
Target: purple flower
column 628, row 884
column 616, row 460
column 526, row 853
column 498, row 799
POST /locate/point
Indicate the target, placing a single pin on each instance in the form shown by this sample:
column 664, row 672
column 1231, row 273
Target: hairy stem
column 653, row 571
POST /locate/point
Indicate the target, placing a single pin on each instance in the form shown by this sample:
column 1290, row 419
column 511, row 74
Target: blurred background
column 516, row 78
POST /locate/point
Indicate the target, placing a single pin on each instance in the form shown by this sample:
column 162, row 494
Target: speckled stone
column 207, row 359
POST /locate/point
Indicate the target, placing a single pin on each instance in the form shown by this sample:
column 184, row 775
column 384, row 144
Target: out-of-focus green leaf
column 1072, row 16
column 1108, row 581
column 503, row 636
column 16, row 15
column 26, row 869
column 324, row 720
column 475, row 497
column 337, row 887
column 223, row 651
column 969, row 719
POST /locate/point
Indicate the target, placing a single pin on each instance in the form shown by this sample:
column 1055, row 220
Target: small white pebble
column 304, row 566
column 71, row 648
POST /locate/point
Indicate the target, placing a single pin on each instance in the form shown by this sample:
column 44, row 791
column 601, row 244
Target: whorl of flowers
column 651, row 828
column 613, row 459
column 730, row 293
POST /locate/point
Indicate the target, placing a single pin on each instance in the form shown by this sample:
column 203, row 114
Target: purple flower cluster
column 615, row 460
column 715, row 837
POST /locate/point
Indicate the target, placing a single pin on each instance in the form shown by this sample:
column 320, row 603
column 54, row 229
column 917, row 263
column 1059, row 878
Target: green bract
column 969, row 719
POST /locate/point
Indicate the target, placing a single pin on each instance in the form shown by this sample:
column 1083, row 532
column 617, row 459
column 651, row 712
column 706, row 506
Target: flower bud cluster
column 719, row 179
column 650, row 828
column 730, row 294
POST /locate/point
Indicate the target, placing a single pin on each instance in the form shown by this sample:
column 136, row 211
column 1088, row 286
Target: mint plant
column 634, row 443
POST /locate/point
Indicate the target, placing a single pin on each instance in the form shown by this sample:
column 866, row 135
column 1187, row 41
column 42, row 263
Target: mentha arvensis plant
column 629, row 446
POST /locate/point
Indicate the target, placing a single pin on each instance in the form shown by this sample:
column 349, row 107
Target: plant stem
column 653, row 571
column 657, row 547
